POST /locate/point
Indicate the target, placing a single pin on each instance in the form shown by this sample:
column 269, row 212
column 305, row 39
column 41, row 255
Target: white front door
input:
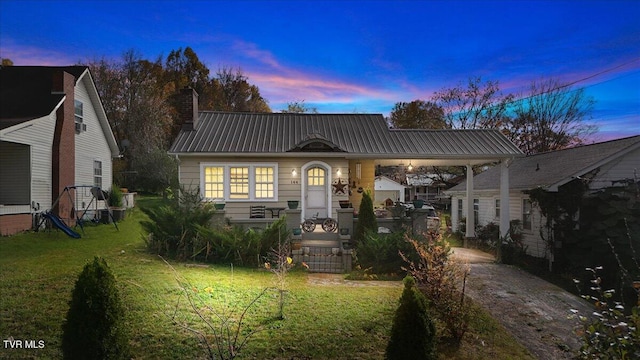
column 316, row 192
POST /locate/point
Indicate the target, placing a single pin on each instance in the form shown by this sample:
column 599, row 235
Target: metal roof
column 554, row 168
column 349, row 135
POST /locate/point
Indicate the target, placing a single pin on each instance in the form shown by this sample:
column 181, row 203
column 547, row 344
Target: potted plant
column 219, row 204
column 115, row 203
column 345, row 204
column 293, row 204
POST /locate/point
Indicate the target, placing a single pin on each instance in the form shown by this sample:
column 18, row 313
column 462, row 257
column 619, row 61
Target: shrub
column 380, row 252
column 440, row 277
column 94, row 328
column 412, row 333
column 489, row 234
column 366, row 218
column 115, row 196
column 172, row 229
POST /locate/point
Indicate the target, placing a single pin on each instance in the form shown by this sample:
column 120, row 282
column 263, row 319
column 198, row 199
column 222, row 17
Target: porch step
column 320, row 235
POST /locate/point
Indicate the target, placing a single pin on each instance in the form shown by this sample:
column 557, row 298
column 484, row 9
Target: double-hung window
column 526, row 214
column 497, row 208
column 239, row 181
column 97, row 173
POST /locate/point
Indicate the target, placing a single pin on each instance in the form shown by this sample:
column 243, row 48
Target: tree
column 476, row 106
column 418, row 114
column 299, row 107
column 183, row 68
column 366, row 218
column 413, row 332
column 7, row 62
column 234, row 93
column 552, row 117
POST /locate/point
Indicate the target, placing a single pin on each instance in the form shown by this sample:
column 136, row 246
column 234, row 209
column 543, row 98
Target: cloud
column 32, row 55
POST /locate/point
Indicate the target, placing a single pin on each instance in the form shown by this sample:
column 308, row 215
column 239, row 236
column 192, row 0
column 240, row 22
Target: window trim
column 497, row 207
column 95, row 176
column 226, row 166
column 530, row 215
column 78, row 118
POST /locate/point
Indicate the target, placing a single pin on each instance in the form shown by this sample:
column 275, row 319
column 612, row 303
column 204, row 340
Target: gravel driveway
column 533, row 310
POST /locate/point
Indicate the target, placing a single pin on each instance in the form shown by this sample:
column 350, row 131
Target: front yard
column 323, row 319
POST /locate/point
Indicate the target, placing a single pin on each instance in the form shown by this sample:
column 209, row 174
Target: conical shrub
column 94, row 328
column 412, row 333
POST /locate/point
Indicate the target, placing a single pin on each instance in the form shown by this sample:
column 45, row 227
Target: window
column 97, row 173
column 239, row 181
column 476, row 212
column 460, row 216
column 214, row 182
column 78, row 111
column 498, row 208
column 315, row 176
column 526, row 214
column 264, row 182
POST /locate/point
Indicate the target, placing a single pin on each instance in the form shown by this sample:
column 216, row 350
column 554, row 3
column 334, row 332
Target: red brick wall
column 13, row 224
column 63, row 162
column 188, row 108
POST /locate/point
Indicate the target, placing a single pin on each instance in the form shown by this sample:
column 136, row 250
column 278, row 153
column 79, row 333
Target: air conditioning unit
column 80, row 127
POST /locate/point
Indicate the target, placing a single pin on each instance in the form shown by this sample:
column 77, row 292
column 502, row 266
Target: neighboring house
column 605, row 164
column 429, row 187
column 248, row 159
column 388, row 192
column 53, row 133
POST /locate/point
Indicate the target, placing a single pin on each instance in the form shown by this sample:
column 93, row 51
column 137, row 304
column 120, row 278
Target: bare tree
column 476, row 106
column 299, row 107
column 552, row 117
column 234, row 93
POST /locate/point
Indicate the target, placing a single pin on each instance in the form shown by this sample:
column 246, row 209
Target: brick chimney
column 64, row 144
column 188, row 108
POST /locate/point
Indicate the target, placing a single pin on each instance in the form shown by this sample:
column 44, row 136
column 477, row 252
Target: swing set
column 87, row 198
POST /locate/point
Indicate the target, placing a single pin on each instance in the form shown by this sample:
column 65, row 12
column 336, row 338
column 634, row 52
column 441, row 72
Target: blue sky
column 356, row 56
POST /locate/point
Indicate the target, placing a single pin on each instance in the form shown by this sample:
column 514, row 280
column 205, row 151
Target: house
column 387, row 191
column 600, row 165
column 248, row 159
column 53, row 133
column 430, row 188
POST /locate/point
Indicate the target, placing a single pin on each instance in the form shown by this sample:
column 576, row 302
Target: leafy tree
column 299, row 107
column 552, row 117
column 184, row 69
column 418, row 114
column 476, row 106
column 7, row 62
column 234, row 93
column 94, row 327
column 412, row 333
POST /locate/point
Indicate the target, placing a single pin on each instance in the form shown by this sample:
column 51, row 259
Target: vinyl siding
column 618, row 170
column 91, row 145
column 38, row 134
column 289, row 188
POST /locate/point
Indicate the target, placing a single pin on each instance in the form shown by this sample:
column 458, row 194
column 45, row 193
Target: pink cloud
column 31, row 55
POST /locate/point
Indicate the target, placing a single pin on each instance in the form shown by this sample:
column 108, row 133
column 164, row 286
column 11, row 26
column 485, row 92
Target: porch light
column 338, row 172
column 410, row 167
column 358, row 170
column 294, row 173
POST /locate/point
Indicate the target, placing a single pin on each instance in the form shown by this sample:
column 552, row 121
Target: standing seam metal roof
column 224, row 132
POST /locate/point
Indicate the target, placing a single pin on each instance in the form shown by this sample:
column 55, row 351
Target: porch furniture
column 257, row 212
column 275, row 211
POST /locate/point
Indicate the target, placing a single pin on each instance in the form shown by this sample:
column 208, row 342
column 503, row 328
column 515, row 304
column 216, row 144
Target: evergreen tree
column 366, row 218
column 412, row 333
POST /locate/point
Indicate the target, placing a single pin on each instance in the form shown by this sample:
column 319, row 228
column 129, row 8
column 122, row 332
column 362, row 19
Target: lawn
column 323, row 319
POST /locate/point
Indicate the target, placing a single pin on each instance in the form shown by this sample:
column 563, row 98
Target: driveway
column 533, row 310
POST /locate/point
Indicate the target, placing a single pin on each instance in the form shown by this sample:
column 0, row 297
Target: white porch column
column 469, row 231
column 504, row 198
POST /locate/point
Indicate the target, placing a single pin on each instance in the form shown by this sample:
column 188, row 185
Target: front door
column 316, row 192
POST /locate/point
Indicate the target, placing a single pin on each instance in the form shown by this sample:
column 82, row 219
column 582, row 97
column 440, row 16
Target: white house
column 53, row 134
column 601, row 165
column 387, row 190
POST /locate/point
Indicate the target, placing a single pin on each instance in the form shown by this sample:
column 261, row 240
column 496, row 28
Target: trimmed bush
column 366, row 218
column 380, row 252
column 412, row 333
column 95, row 328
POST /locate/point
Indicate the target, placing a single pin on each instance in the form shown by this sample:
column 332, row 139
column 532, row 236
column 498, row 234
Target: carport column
column 504, row 204
column 469, row 232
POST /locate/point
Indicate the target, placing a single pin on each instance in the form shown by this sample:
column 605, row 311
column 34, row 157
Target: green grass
column 322, row 321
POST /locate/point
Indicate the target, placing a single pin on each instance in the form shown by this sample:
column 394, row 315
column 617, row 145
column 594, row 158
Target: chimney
column 64, row 139
column 188, row 109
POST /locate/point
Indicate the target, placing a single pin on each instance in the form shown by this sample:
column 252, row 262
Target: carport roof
column 344, row 135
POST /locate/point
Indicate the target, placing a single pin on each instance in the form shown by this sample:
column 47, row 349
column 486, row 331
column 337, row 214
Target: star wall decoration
column 339, row 188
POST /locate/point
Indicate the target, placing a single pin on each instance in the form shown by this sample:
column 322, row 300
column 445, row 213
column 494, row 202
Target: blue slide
column 57, row 222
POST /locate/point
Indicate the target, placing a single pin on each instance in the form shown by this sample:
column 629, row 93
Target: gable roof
column 344, row 135
column 554, row 168
column 25, row 92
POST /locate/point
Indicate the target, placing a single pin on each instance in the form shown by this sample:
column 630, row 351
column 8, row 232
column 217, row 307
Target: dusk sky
column 356, row 56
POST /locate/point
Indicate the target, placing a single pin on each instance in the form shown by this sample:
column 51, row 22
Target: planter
column 344, row 231
column 296, row 245
column 345, row 204
column 417, row 204
column 293, row 204
column 118, row 214
column 296, row 231
column 219, row 206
